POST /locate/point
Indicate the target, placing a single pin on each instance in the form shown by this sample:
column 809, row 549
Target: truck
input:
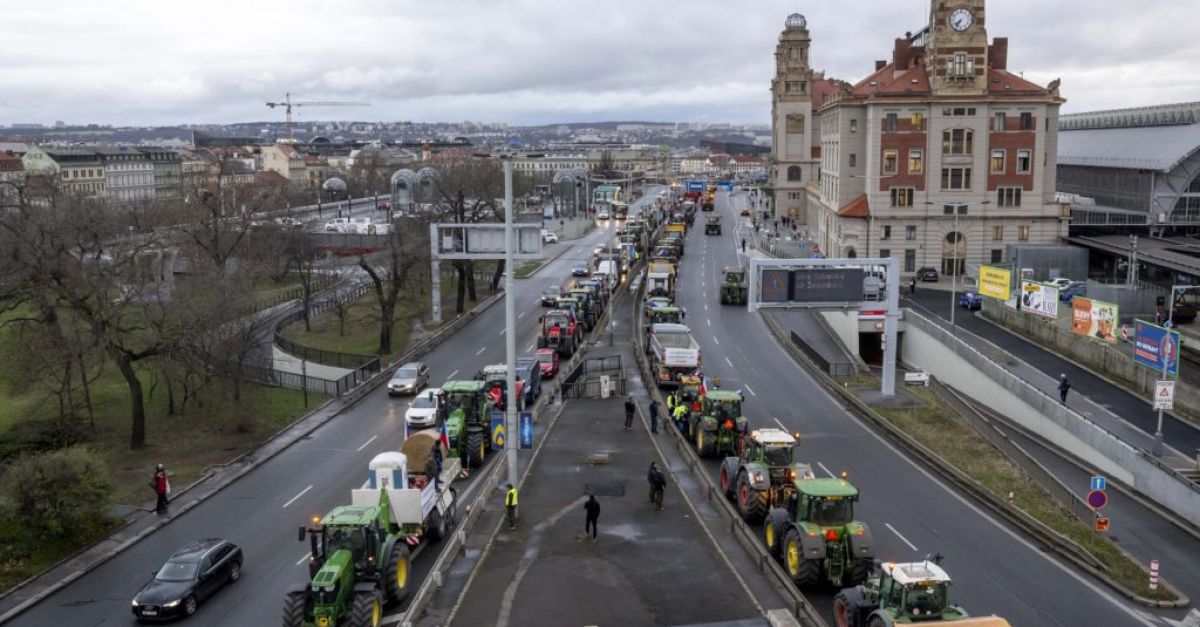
column 673, row 352
column 560, row 331
column 712, row 225
column 660, row 278
column 733, row 287
column 763, row 473
column 915, row 592
column 359, row 554
column 718, row 427
column 620, row 210
column 708, row 201
column 816, row 537
column 464, row 408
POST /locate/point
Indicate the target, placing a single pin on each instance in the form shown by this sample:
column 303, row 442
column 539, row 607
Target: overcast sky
column 532, row 61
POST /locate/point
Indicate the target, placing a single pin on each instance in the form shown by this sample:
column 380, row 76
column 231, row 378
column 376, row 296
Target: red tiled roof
column 864, row 87
column 269, row 177
column 857, row 208
column 887, row 83
column 1003, row 82
column 313, row 160
column 822, row 88
column 11, row 163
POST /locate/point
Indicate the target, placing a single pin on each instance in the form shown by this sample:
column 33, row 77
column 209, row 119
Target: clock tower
column 957, row 50
column 792, row 163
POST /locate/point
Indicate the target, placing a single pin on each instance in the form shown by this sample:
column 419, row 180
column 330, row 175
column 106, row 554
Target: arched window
column 793, row 173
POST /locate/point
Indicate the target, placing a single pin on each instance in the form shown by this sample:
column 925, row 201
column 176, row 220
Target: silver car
column 408, row 379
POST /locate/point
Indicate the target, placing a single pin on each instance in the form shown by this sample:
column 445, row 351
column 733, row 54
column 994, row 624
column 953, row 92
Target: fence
column 362, row 367
column 586, row 379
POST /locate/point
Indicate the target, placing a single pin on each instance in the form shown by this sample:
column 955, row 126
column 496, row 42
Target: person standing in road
column 510, row 506
column 653, row 416
column 658, row 484
column 592, row 508
column 743, row 245
column 629, row 407
column 912, row 287
column 162, row 488
column 680, row 415
column 1064, row 386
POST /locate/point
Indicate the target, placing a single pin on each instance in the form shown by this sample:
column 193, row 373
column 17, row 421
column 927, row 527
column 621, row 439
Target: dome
column 796, row 20
column 334, row 184
column 319, row 139
column 403, row 176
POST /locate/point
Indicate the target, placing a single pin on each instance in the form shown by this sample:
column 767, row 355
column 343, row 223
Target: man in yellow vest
column 680, row 415
column 510, row 506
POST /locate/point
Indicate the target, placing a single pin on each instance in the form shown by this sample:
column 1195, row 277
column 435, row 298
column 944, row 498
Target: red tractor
column 561, row 331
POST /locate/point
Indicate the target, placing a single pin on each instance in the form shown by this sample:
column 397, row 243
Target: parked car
column 550, row 295
column 549, row 236
column 408, row 379
column 530, row 372
column 970, row 301
column 422, row 409
column 927, row 274
column 1068, row 293
column 1061, row 283
column 384, row 206
column 337, row 225
column 548, row 362
column 579, row 269
column 192, row 574
column 289, row 222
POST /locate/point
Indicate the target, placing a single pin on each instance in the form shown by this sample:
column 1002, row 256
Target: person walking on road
column 680, row 415
column 658, row 484
column 653, row 416
column 629, row 407
column 912, row 287
column 162, row 488
column 1064, row 386
column 743, row 245
column 592, row 508
column 510, row 506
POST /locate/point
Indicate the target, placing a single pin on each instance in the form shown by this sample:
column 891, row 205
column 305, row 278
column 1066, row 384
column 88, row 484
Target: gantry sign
column 479, row 242
column 830, row 284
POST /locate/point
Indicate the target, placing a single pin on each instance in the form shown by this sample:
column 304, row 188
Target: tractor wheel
column 437, row 527
column 848, row 608
column 367, row 610
column 475, row 450
column 395, row 575
column 726, row 482
column 878, row 621
column 860, row 569
column 751, row 503
column 771, row 539
column 293, row 608
column 706, row 443
column 804, row 572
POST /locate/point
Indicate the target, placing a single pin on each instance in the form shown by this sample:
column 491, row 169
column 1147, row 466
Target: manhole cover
column 605, row 488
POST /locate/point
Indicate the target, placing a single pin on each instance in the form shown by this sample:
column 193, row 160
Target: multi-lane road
column 262, row 510
column 911, row 512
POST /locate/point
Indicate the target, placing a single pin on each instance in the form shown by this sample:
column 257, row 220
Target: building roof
column 11, row 163
column 1158, row 148
column 269, row 177
column 857, row 208
column 1004, row 82
column 823, row 90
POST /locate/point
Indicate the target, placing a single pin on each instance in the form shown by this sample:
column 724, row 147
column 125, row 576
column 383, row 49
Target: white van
column 607, row 271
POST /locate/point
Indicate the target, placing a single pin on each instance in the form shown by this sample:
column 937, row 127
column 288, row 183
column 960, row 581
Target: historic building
column 941, row 157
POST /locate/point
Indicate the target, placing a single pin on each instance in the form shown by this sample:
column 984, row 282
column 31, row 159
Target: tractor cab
column 733, row 286
column 496, row 378
column 668, row 314
column 917, row 592
column 826, row 503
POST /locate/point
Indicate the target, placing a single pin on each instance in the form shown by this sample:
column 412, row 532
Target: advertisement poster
column 1153, row 345
column 1094, row 318
column 1040, row 299
column 526, row 428
column 498, row 431
column 995, row 282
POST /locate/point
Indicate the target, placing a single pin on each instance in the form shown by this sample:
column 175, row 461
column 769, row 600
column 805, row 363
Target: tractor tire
column 293, row 608
column 804, row 572
column 860, row 570
column 751, row 503
column 848, row 608
column 772, row 540
column 437, row 527
column 879, row 621
column 706, row 443
column 727, row 485
column 475, row 448
column 396, row 574
column 367, row 610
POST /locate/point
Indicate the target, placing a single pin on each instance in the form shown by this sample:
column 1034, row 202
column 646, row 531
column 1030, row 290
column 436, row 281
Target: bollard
column 1154, row 574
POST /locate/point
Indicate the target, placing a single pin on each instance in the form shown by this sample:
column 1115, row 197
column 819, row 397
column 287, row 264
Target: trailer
column 673, row 353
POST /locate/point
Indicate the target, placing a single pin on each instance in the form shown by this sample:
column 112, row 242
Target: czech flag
column 703, row 386
column 444, row 437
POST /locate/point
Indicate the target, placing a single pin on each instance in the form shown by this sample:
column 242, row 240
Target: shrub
column 62, row 494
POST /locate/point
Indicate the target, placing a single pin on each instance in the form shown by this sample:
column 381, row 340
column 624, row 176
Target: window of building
column 997, row 233
column 958, row 141
column 998, row 122
column 910, row 260
column 1008, row 196
column 958, row 111
column 997, row 255
column 853, row 160
column 902, row 196
column 889, row 123
column 793, row 173
column 885, row 252
column 1026, row 121
column 1024, row 161
column 887, row 232
column 916, row 161
column 910, row 233
column 853, row 126
column 917, row 119
column 956, row 178
column 890, row 157
column 1023, row 233
column 960, row 65
column 998, row 161
column 949, row 209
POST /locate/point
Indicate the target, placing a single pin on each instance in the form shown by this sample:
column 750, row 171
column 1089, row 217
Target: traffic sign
column 1099, row 483
column 1097, row 499
column 1164, row 395
column 1101, row 524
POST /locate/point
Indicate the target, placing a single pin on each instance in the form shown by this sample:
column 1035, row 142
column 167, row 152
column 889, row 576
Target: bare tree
column 390, row 271
column 218, row 216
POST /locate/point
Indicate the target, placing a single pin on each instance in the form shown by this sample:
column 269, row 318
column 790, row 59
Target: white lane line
column 902, row 538
column 729, row 362
column 365, row 444
column 705, row 306
column 831, row 475
column 303, row 559
column 751, row 390
column 781, row 426
column 480, row 351
column 522, row 315
column 450, row 377
column 709, row 321
column 531, row 347
column 293, row 500
column 503, row 331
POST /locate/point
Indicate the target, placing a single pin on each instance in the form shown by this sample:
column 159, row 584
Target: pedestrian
column 437, row 463
column 912, row 286
column 680, row 416
column 162, row 488
column 653, row 416
column 658, row 484
column 671, row 402
column 743, row 245
column 1064, row 386
column 592, row 507
column 629, row 407
column 510, row 506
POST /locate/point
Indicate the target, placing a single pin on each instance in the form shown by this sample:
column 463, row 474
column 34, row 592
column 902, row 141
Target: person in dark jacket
column 658, row 484
column 437, row 463
column 162, row 487
column 1064, row 386
column 592, row 508
column 629, row 408
column 653, row 416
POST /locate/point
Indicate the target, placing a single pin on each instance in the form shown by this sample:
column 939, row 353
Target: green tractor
column 902, row 594
column 718, row 427
column 464, row 409
column 763, row 474
column 712, row 225
column 816, row 537
column 733, row 286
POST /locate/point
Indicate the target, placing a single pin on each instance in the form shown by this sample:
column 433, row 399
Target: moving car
column 927, row 274
column 548, row 362
column 745, row 211
column 579, row 269
column 408, row 379
column 190, row 575
column 970, row 301
column 602, row 214
column 549, row 236
column 422, row 410
column 550, row 295
column 384, row 206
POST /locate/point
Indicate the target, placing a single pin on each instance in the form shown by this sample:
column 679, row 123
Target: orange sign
column 1101, row 524
column 1094, row 318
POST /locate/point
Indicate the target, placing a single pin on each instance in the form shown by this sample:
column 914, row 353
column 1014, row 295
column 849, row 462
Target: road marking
column 522, row 315
column 902, row 538
column 708, row 321
column 718, row 342
column 503, row 331
column 364, row 445
column 826, row 470
column 781, row 426
column 729, row 362
column 531, row 347
column 297, row 496
column 705, row 306
column 451, row 375
column 751, row 390
column 480, row 351
column 303, row 559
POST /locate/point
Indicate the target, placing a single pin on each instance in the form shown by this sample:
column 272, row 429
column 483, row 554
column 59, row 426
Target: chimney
column 902, row 54
column 879, row 64
column 998, row 53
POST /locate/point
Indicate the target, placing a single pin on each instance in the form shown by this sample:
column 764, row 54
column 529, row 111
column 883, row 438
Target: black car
column 927, row 274
column 191, row 575
column 550, row 296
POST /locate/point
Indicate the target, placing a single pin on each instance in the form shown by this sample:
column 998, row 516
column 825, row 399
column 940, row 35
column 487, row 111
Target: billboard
column 1094, row 318
column 1153, row 345
column 995, row 282
column 1039, row 299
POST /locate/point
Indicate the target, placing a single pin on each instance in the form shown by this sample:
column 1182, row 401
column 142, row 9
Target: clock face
column 961, row 19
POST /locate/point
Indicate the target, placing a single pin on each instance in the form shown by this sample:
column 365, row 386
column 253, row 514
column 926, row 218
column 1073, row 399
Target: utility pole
column 511, row 438
column 1131, row 275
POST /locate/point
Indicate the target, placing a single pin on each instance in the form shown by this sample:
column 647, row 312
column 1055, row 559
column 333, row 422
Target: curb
column 1034, row 529
column 348, row 400
column 546, row 262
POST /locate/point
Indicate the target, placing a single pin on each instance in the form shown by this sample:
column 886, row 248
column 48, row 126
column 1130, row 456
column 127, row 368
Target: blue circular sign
column 1097, row 499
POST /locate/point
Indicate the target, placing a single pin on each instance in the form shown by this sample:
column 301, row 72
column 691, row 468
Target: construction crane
column 288, row 103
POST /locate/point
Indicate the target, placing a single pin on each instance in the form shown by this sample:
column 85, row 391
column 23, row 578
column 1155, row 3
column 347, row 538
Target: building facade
column 941, row 157
column 168, row 172
column 77, row 172
column 288, row 161
column 128, row 174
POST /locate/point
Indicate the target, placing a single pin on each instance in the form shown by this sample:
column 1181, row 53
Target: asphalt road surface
column 910, row 512
column 261, row 511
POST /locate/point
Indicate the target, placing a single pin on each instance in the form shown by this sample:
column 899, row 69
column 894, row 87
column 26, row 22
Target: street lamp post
column 511, row 442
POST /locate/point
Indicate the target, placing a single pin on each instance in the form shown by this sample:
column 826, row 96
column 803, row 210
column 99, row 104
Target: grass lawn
column 526, row 269
column 943, row 431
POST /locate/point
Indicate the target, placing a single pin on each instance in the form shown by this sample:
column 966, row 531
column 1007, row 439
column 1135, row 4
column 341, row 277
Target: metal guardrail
column 834, row 370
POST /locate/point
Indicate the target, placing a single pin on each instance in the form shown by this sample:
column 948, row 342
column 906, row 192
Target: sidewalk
column 286, row 362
